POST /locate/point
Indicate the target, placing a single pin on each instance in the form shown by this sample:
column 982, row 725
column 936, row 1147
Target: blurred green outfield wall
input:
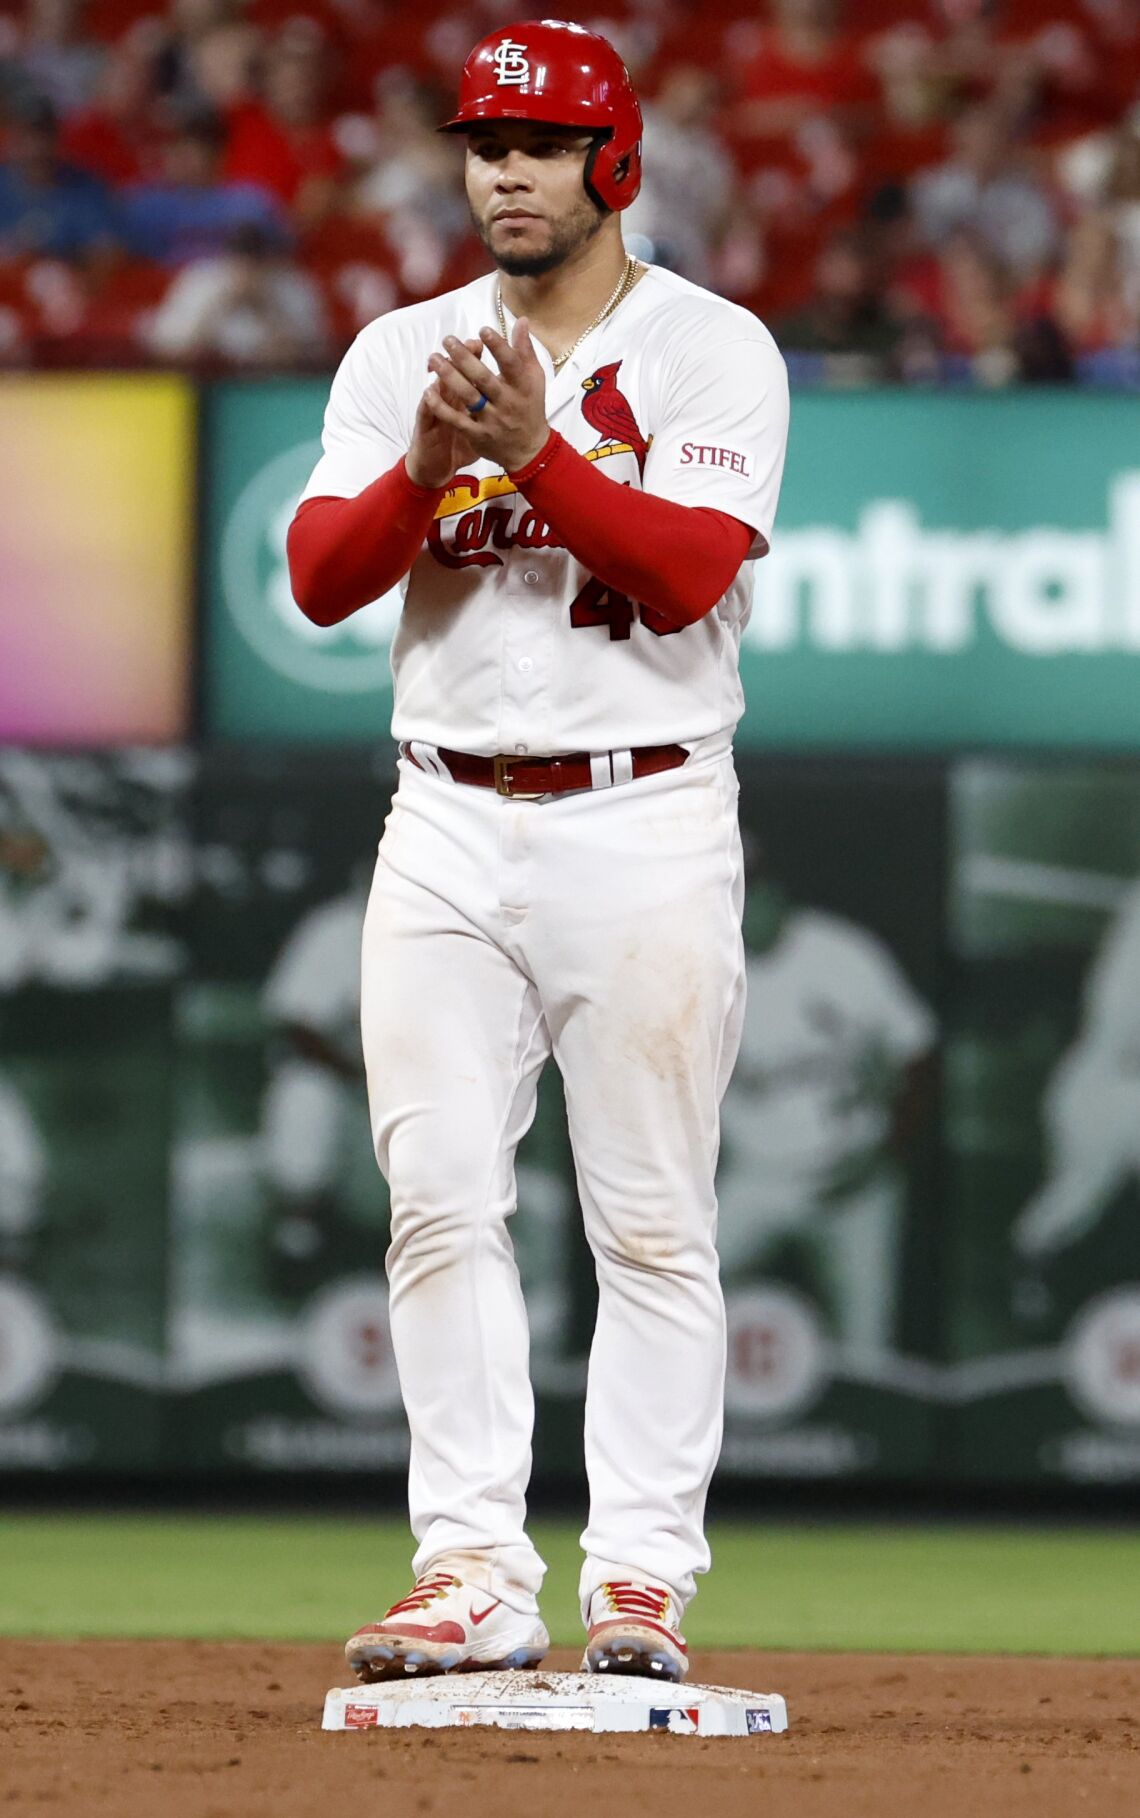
column 930, row 1209
column 930, row 1169
column 946, row 571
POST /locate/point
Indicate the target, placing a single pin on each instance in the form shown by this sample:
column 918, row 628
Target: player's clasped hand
column 501, row 414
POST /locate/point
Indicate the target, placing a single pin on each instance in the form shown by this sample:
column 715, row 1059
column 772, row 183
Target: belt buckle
column 503, row 786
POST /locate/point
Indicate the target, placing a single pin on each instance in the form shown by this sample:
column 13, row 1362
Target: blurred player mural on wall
column 278, row 1317
column 1043, row 1288
column 280, row 1353
column 1090, row 1112
column 92, row 873
column 311, row 1110
column 834, row 1074
column 930, row 1175
column 91, row 858
column 825, row 1188
column 23, row 1170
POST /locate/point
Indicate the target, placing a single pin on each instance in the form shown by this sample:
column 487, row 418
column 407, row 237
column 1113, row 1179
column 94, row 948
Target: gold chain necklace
column 625, row 284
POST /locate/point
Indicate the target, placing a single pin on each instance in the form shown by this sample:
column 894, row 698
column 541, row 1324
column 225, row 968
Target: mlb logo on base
column 678, row 1722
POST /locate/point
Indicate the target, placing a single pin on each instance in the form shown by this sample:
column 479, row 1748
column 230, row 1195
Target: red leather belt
column 531, row 777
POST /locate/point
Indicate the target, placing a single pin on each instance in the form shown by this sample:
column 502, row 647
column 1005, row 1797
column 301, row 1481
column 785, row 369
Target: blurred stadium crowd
column 904, row 189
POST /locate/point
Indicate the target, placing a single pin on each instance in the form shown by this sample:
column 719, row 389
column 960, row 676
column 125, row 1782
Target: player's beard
column 567, row 237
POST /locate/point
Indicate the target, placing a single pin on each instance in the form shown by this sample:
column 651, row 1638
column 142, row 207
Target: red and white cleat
column 445, row 1626
column 634, row 1629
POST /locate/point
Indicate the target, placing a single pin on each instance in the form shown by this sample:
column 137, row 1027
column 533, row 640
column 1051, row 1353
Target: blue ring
column 474, row 409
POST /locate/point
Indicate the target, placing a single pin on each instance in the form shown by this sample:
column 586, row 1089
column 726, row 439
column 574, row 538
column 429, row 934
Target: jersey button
column 520, row 749
column 526, row 664
column 530, row 577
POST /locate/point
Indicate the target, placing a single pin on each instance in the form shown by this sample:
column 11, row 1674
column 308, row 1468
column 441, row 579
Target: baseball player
column 833, row 1064
column 567, row 463
column 23, row 1176
column 76, row 876
column 311, row 1003
column 1091, row 1110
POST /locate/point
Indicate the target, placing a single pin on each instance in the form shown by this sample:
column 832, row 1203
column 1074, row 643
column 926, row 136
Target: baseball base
column 555, row 1701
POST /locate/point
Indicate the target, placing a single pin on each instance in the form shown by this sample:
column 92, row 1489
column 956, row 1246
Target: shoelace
column 626, row 1599
column 423, row 1592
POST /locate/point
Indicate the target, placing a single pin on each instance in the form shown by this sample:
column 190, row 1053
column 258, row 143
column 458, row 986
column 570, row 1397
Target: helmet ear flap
column 606, row 176
column 600, row 141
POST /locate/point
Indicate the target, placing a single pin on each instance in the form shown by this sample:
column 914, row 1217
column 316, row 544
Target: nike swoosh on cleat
column 483, row 1614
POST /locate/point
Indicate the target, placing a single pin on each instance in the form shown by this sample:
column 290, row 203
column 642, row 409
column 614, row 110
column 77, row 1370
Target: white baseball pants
column 603, row 928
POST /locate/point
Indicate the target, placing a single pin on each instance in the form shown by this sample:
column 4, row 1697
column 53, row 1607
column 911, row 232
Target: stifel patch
column 706, row 454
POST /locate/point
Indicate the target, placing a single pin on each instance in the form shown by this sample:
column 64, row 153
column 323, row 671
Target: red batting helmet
column 550, row 70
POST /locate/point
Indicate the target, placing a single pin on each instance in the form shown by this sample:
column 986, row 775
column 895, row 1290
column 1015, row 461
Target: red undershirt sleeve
column 345, row 552
column 677, row 559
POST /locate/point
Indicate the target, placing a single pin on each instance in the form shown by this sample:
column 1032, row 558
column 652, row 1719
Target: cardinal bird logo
column 607, row 410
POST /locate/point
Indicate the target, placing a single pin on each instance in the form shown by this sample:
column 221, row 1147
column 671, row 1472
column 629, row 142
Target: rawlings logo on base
column 361, row 1717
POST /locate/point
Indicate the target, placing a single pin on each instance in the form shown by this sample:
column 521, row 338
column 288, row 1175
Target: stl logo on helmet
column 512, row 64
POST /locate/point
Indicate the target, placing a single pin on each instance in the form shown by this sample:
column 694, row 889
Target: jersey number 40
column 598, row 604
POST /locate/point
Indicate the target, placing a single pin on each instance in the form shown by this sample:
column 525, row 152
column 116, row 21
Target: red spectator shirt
column 263, row 151
column 839, row 79
column 97, row 142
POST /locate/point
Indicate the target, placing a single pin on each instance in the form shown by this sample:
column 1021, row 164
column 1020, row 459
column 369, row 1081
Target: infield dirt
column 229, row 1730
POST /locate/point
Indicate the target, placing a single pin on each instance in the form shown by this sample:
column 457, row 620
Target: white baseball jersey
column 505, row 642
column 828, row 1007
